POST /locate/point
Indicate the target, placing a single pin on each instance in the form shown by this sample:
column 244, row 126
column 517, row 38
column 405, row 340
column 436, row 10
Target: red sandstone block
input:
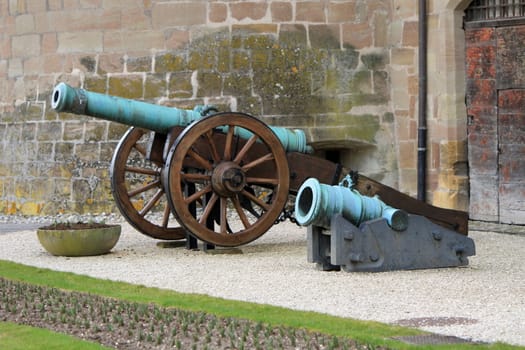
column 33, row 6
column 5, row 49
column 135, row 18
column 252, row 10
column 407, row 154
column 110, row 63
column 178, row 14
column 33, row 65
column 25, row 45
column 90, row 4
column 341, row 12
column 54, row 5
column 281, row 11
column 218, row 12
column 357, row 35
column 310, row 11
column 53, row 64
column 410, row 34
column 177, row 38
column 49, row 43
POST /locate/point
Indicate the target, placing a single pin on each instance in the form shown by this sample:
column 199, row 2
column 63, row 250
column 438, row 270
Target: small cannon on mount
column 225, row 178
column 349, row 231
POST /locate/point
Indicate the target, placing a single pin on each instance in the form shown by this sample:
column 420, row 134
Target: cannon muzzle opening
column 56, row 98
column 67, row 99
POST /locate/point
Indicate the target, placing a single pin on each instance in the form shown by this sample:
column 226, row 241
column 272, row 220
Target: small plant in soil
column 126, row 325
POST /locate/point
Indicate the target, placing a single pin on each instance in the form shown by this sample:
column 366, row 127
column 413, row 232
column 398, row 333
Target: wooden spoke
column 212, row 146
column 240, row 212
column 140, row 149
column 153, row 200
column 142, row 171
column 197, row 195
column 224, row 212
column 245, row 149
column 256, row 200
column 208, row 209
column 205, row 163
column 129, row 180
column 142, row 189
column 166, row 216
column 261, row 180
column 229, row 143
column 266, row 158
column 195, row 177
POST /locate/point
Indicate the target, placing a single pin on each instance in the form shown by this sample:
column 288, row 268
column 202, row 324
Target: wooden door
column 495, row 96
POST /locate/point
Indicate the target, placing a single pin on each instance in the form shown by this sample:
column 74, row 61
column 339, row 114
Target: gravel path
column 483, row 302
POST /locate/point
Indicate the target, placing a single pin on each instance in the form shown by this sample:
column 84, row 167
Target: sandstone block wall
column 345, row 71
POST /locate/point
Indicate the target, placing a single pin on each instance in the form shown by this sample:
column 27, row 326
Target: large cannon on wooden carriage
column 225, row 178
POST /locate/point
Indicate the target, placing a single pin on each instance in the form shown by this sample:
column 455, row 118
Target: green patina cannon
column 224, row 178
column 349, row 231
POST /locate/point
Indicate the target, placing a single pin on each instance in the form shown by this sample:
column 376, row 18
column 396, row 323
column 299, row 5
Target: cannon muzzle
column 134, row 113
column 316, row 203
column 151, row 116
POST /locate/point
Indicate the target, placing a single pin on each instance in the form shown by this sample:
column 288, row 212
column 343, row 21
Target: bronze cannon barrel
column 151, row 116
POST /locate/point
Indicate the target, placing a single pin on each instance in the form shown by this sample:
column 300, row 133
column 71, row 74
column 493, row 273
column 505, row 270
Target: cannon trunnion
column 224, row 178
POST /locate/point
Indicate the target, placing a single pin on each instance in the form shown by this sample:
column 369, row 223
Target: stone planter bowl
column 79, row 241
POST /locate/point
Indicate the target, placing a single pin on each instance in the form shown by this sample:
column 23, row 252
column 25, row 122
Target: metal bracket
column 374, row 246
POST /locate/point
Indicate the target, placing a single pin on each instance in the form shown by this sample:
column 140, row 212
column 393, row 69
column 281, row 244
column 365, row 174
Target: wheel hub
column 228, row 179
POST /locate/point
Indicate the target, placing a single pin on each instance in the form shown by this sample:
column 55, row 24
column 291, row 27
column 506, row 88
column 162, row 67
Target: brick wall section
column 342, row 70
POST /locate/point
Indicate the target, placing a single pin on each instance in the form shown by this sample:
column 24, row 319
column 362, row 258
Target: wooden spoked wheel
column 137, row 188
column 240, row 174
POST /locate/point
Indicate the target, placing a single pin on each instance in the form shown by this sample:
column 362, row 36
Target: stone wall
column 345, row 71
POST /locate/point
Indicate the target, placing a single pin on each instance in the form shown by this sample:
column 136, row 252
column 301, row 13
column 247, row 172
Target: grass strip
column 374, row 334
column 19, row 337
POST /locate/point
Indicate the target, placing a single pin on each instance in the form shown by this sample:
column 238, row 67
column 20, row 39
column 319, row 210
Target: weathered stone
column 218, row 12
column 292, row 35
column 96, row 84
column 169, row 63
column 95, row 131
column 116, row 131
column 49, row 131
column 142, row 63
column 73, row 131
column 155, row 86
column 324, row 36
column 281, row 11
column 126, row 87
column 209, row 84
column 251, row 10
column 237, row 85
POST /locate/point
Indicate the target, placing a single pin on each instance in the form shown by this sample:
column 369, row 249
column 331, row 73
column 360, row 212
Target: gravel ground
column 484, row 301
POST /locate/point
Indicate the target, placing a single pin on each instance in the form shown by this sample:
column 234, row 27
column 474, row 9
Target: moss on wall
column 292, row 78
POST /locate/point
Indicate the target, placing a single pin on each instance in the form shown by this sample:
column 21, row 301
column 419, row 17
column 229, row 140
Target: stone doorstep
column 496, row 227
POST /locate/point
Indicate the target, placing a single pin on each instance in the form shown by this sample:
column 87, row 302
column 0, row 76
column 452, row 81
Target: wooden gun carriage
column 224, row 178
